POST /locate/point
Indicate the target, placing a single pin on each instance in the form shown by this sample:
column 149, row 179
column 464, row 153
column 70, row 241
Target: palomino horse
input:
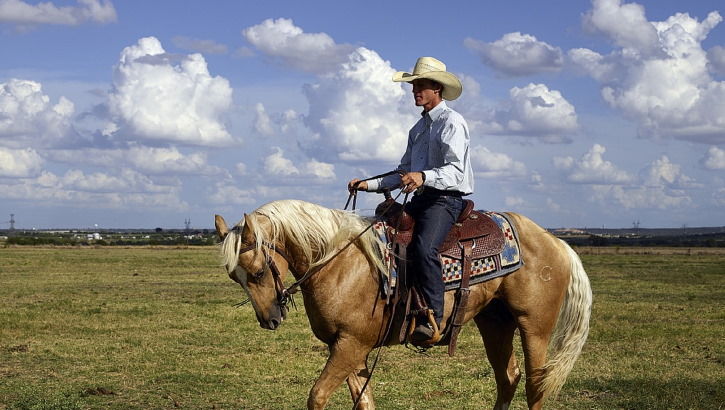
column 548, row 299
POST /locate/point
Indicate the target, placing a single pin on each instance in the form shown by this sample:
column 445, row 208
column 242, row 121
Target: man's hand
column 411, row 181
column 357, row 185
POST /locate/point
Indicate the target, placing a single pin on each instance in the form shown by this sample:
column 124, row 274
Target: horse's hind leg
column 356, row 382
column 347, row 356
column 497, row 327
column 535, row 346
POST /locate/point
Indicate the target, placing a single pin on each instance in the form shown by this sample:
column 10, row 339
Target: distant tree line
column 155, row 238
column 695, row 241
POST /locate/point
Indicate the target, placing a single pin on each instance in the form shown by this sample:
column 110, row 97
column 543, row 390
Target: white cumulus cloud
column 535, row 111
column 224, row 194
column 262, row 122
column 592, row 168
column 149, row 160
column 20, row 163
column 660, row 185
column 282, row 41
column 624, row 24
column 167, row 161
column 488, row 164
column 319, row 170
column 100, row 190
column 663, row 172
column 357, row 113
column 24, row 14
column 29, row 119
column 126, row 181
column 157, row 96
column 714, row 159
column 658, row 73
column 277, row 165
column 517, row 54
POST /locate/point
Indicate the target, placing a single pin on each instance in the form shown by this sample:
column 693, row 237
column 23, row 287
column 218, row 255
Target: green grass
column 156, row 328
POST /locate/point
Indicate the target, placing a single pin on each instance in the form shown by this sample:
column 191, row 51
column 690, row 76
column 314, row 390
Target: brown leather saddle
column 474, row 236
column 473, row 227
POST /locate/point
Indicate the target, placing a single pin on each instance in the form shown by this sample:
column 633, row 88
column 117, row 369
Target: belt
column 441, row 192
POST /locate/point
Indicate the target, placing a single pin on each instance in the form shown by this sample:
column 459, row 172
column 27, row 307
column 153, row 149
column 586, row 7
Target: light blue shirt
column 438, row 145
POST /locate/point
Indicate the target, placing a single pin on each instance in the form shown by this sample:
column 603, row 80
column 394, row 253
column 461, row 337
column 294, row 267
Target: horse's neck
column 297, row 260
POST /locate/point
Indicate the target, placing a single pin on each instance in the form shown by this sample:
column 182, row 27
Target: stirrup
column 435, row 338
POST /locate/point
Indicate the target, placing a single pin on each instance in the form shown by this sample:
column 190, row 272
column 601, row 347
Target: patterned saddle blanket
column 486, row 267
column 494, row 255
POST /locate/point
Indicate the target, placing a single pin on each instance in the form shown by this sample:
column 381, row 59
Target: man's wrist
column 422, row 176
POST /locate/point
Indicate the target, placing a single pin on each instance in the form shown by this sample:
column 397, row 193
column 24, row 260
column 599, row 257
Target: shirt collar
column 436, row 111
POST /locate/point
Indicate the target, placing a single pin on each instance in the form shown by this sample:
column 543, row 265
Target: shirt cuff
column 373, row 185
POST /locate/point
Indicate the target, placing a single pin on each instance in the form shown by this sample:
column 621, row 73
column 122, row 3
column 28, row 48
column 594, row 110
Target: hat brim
column 452, row 87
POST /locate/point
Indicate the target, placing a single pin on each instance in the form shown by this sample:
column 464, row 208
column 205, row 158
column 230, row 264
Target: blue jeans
column 434, row 215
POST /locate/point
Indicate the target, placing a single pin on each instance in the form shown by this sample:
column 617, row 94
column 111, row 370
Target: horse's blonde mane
column 318, row 231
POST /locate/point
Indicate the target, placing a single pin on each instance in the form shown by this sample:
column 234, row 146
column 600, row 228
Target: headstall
column 283, row 294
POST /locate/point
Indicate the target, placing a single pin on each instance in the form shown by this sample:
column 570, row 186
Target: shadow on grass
column 647, row 393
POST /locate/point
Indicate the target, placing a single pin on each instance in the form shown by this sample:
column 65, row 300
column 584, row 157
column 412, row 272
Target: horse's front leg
column 356, row 382
column 347, row 361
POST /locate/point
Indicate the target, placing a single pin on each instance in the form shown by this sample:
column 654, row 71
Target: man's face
column 424, row 92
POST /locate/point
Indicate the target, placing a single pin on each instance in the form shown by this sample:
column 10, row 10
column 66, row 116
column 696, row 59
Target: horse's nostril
column 273, row 324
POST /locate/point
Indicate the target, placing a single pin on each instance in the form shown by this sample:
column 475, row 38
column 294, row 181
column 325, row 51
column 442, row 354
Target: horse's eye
column 258, row 275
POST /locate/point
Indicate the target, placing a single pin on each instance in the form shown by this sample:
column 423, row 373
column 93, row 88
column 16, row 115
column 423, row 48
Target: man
column 437, row 161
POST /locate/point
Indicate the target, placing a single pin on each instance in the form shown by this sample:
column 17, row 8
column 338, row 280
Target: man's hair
column 436, row 83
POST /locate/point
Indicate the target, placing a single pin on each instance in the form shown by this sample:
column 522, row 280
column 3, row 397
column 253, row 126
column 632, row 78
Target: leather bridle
column 283, row 295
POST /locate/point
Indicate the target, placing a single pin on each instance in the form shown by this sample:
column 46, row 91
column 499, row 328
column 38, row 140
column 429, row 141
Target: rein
column 285, row 294
column 293, row 288
column 353, row 193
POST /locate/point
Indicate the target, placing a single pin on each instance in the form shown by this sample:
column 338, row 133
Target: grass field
column 156, row 328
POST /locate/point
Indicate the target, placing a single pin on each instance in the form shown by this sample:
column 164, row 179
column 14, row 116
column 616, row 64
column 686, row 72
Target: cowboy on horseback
column 436, row 167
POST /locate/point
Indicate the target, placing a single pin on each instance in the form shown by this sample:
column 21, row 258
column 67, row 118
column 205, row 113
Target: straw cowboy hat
column 432, row 69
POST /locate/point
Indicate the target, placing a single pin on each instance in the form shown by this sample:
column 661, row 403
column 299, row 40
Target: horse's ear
column 248, row 232
column 221, row 226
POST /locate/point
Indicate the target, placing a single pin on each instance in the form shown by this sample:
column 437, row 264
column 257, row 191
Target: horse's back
column 545, row 275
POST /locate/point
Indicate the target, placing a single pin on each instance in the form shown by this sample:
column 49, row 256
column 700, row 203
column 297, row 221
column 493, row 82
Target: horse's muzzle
column 277, row 315
column 272, row 324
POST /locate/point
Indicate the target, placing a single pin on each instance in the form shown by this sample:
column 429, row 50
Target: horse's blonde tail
column 572, row 328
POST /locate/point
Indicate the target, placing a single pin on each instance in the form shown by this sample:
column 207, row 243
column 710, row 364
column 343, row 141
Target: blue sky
column 146, row 114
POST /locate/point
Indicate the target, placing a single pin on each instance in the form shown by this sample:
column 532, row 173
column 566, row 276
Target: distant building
column 569, row 231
